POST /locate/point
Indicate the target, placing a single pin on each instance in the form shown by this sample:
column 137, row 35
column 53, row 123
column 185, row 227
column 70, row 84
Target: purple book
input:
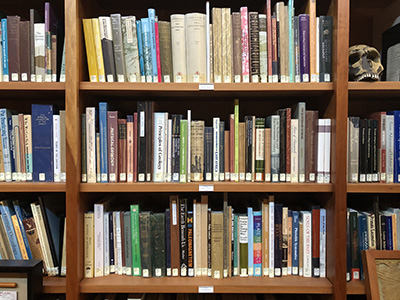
column 50, row 19
column 304, row 31
column 112, row 124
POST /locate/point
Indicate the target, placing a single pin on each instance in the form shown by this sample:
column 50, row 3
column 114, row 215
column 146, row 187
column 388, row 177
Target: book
column 157, row 223
column 98, row 50
column 305, row 57
column 178, row 47
column 136, row 257
column 254, row 47
column 119, row 58
column 90, row 49
column 195, row 24
column 89, row 243
column 165, row 51
column 107, row 46
column 145, row 244
column 217, row 244
column 130, row 48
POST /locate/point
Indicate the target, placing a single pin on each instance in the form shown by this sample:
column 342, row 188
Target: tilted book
column 107, row 46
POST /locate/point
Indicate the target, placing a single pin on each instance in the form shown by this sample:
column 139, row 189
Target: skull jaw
column 367, row 76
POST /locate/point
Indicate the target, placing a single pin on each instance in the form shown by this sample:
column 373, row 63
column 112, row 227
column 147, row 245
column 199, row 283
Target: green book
column 145, row 244
column 157, row 224
column 136, row 263
column 236, row 139
column 183, row 152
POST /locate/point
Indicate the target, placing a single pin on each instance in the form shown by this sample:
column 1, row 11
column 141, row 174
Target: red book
column 315, row 241
column 158, row 51
column 135, row 126
column 122, row 149
column 112, row 126
column 129, row 150
column 175, row 226
column 244, row 17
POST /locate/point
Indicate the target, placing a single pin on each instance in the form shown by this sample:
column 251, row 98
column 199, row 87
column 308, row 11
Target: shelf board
column 374, row 89
column 373, row 188
column 54, row 285
column 355, row 287
column 205, row 187
column 130, row 284
column 32, row 187
column 168, row 89
column 32, row 86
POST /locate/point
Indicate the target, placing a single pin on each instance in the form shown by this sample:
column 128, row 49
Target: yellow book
column 89, row 244
column 99, row 52
column 19, row 237
column 90, row 50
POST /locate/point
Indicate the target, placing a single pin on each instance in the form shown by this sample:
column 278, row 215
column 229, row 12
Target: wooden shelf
column 32, row 187
column 373, row 187
column 207, row 187
column 54, row 285
column 374, row 89
column 130, row 284
column 32, row 86
column 355, row 288
column 214, row 90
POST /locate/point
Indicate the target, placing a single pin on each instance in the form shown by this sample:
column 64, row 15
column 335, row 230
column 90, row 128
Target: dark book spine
column 237, row 47
column 315, row 241
column 311, row 143
column 282, row 144
column 222, row 151
column 183, row 236
column 278, row 239
column 374, row 133
column 149, row 139
column 122, row 146
column 165, row 51
column 254, row 47
column 209, row 253
column 168, row 241
column 176, row 129
column 369, row 150
column 128, row 242
column 208, row 145
column 25, row 58
column 145, row 244
column 108, row 57
column 141, row 141
column 189, row 224
column 83, row 149
column 111, row 242
column 389, row 233
column 13, row 35
column 355, row 246
column 249, row 147
column 278, row 50
column 375, row 208
column 274, row 50
column 362, row 151
column 326, row 26
column 135, row 147
column 157, row 222
column 297, row 74
column 112, row 124
column 304, row 36
column 348, row 248
column 383, row 232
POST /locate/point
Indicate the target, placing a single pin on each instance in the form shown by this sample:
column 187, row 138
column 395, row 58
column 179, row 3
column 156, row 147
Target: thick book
column 195, row 24
column 217, row 244
column 245, row 44
column 355, row 244
column 147, row 53
column 197, row 150
column 381, row 144
column 13, row 35
column 217, row 44
column 254, row 47
column 353, row 140
column 130, row 48
column 90, row 49
column 157, row 223
column 278, row 240
column 311, row 145
column 315, row 241
column 112, row 127
column 174, row 225
column 107, row 46
column 91, row 144
column 98, row 50
column 178, row 41
column 237, row 47
column 160, row 140
column 164, row 28
column 119, row 58
column 226, row 30
column 306, row 219
column 145, row 244
column 326, row 33
column 273, row 122
column 136, row 262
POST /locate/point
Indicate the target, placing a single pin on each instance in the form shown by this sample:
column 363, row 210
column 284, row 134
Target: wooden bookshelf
column 374, row 89
column 32, row 86
column 32, row 187
column 355, row 287
column 54, row 285
column 373, row 188
column 128, row 284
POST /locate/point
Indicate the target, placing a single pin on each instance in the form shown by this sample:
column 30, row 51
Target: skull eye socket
column 353, row 58
column 374, row 56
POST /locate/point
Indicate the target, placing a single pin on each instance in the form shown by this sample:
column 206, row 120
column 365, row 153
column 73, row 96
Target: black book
column 249, row 146
column 190, row 253
column 282, row 144
column 363, row 150
column 145, row 244
column 108, row 58
column 378, row 237
column 382, row 224
column 208, row 153
column 149, row 139
column 348, row 248
column 390, row 38
column 375, row 173
column 183, row 236
column 325, row 36
column 141, row 142
column 157, row 223
column 278, row 239
column 168, row 241
column 111, row 241
column 369, row 150
column 176, row 141
column 355, row 245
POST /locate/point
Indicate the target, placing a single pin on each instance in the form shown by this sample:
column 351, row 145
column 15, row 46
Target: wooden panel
column 377, row 89
column 129, row 284
column 32, row 86
column 32, row 187
column 54, row 285
column 355, row 287
column 373, row 188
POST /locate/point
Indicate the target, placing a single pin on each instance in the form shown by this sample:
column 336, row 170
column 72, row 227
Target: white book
column 305, row 216
column 189, row 138
column 129, row 35
column 317, row 54
column 389, row 148
column 216, row 158
column 91, row 144
column 178, row 45
column 294, row 150
column 243, row 239
column 169, row 151
column 322, row 243
column 208, row 48
column 28, row 146
column 56, row 148
column 253, row 151
column 327, row 151
column 321, row 151
column 195, row 27
column 160, row 121
column 106, row 226
column 271, row 239
column 17, row 174
column 371, row 229
column 99, row 239
column 40, row 49
column 118, row 243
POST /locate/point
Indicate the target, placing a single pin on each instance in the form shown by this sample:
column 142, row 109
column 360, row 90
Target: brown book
column 311, row 10
column 288, row 143
column 122, row 149
column 6, row 246
column 237, row 47
column 22, row 145
column 267, row 153
column 226, row 32
column 232, row 147
column 217, row 244
column 164, row 29
column 311, row 144
column 53, row 57
column 254, row 47
column 197, row 212
column 197, row 150
column 24, row 43
column 13, row 36
column 204, row 222
column 242, row 152
column 227, row 155
column 33, row 238
column 217, row 49
column 175, row 246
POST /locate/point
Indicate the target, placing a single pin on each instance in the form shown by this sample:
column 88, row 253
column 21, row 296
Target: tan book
column 89, row 244
column 5, row 247
column 195, row 24
column 217, row 43
column 217, row 244
column 28, row 146
column 178, row 46
column 20, row 239
column 33, row 238
column 226, row 154
column 242, row 151
column 2, row 174
column 197, row 212
column 22, row 146
column 267, row 153
column 227, row 49
column 204, row 222
column 211, row 54
column 311, row 10
column 64, row 250
column 98, row 50
column 63, row 146
column 164, row 29
column 265, row 227
column 16, row 175
column 197, row 150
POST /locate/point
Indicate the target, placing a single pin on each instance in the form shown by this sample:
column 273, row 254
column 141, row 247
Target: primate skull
column 364, row 63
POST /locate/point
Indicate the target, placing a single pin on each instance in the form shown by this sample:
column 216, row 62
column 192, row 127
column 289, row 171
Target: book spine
column 297, row 74
column 275, row 142
column 285, row 241
column 243, row 245
column 107, row 45
column 278, row 240
column 127, row 242
column 157, row 223
column 28, row 146
column 168, row 242
column 222, row 151
column 91, row 144
column 254, row 47
column 245, row 45
column 236, row 118
column 178, row 47
column 112, row 124
column 226, row 28
column 56, row 148
column 13, row 36
column 103, row 128
column 122, row 147
column 282, row 145
column 98, row 240
column 263, row 48
column 147, row 54
column 106, row 244
column 217, row 36
column 145, row 244
column 208, row 153
column 190, row 236
column 232, row 147
column 216, row 147
column 217, row 244
column 227, row 154
column 5, row 143
column 89, row 243
column 12, row 145
column 98, row 50
column 312, row 10
column 389, row 148
column 250, row 258
column 275, row 68
column 5, row 50
column 165, row 51
column 183, row 237
column 354, row 241
column 157, row 34
column 160, row 120
column 237, row 47
column 130, row 48
column 83, row 149
column 183, row 151
column 140, row 51
column 176, row 125
column 249, row 142
column 175, row 253
column 294, row 150
column 269, row 40
column 322, row 243
column 296, row 243
column 257, row 240
column 267, row 154
column 90, row 49
column 316, row 242
column 136, row 262
column 304, row 37
column 271, row 238
column 260, row 147
column 152, row 20
column 307, row 243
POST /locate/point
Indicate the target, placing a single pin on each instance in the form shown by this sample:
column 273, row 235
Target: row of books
column 29, row 48
column 34, row 231
column 373, row 148
column 32, row 146
column 244, row 46
column 148, row 146
column 377, row 230
column 191, row 239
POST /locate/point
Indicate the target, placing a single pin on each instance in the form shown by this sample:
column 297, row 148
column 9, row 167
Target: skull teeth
column 368, row 77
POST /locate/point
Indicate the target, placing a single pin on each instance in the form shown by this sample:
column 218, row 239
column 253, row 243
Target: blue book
column 290, row 20
column 322, row 242
column 140, row 50
column 396, row 169
column 250, row 234
column 4, row 40
column 146, row 45
column 257, row 243
column 363, row 234
column 295, row 243
column 389, row 232
column 12, row 147
column 5, row 143
column 103, row 108
column 42, row 142
column 152, row 18
column 8, row 225
column 18, row 213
